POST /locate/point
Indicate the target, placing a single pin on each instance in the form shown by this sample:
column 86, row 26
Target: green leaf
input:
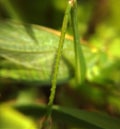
column 27, row 59
column 32, row 60
column 73, row 117
column 88, row 120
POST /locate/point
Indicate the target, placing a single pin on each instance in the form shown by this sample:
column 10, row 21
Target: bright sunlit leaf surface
column 11, row 119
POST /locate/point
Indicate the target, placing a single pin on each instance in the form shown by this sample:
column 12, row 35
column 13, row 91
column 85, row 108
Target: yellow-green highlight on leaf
column 12, row 119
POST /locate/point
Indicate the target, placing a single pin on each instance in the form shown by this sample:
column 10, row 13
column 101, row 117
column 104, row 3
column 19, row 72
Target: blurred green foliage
column 50, row 12
column 99, row 25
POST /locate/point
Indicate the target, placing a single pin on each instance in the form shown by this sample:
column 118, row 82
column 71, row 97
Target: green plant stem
column 58, row 56
column 45, row 123
column 80, row 69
